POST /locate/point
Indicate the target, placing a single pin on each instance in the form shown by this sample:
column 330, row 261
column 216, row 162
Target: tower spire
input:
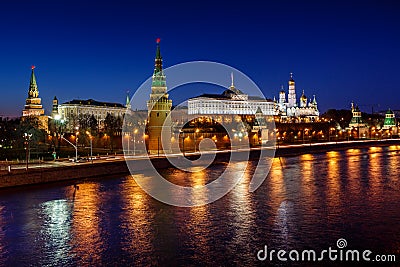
column 128, row 101
column 33, row 104
column 232, row 80
column 33, row 89
column 158, row 59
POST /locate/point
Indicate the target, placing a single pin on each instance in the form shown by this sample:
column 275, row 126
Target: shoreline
column 43, row 175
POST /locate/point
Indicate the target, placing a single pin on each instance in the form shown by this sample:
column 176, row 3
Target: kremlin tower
column 292, row 92
column 159, row 106
column 33, row 104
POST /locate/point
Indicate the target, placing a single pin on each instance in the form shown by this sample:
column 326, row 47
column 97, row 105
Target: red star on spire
column 33, row 67
column 158, row 40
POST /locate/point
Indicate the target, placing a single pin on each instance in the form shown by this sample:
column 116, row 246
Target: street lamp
column 128, row 137
column 76, row 145
column 134, row 142
column 59, row 123
column 195, row 138
column 27, row 137
column 304, row 130
column 91, row 146
column 183, row 142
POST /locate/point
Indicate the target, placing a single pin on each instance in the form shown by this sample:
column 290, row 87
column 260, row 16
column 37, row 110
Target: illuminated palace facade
column 231, row 102
column 234, row 102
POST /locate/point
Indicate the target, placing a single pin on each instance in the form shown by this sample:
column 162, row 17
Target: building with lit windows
column 289, row 109
column 357, row 123
column 390, row 120
column 231, row 102
column 390, row 124
column 70, row 111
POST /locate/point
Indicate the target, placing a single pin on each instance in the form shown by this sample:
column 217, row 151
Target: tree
column 31, row 126
column 112, row 126
column 93, row 125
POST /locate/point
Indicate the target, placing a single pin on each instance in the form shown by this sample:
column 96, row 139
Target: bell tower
column 159, row 124
column 292, row 92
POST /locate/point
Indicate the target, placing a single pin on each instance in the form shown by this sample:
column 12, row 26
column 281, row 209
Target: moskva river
column 306, row 202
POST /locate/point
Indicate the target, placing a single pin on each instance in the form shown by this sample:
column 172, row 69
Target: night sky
column 340, row 51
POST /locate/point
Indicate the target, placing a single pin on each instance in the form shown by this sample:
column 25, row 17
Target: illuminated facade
column 159, row 126
column 72, row 110
column 358, row 123
column 291, row 109
column 231, row 102
column 33, row 104
column 390, row 120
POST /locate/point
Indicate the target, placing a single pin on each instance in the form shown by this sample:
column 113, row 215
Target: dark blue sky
column 92, row 49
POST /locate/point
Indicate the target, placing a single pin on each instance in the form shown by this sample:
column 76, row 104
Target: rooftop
column 91, row 102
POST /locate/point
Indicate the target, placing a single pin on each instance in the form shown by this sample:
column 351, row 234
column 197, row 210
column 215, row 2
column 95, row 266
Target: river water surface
column 306, row 202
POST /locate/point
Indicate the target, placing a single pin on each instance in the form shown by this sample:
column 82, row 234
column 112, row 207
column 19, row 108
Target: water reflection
column 86, row 241
column 242, row 212
column 137, row 233
column 307, row 177
column 198, row 224
column 3, row 250
column 55, row 229
column 353, row 157
column 375, row 172
column 306, row 201
column 334, row 194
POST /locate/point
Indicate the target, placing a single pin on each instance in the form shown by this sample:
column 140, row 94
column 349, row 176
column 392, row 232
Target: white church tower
column 292, row 92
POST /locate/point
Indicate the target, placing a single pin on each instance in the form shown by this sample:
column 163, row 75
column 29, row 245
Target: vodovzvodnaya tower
column 159, row 108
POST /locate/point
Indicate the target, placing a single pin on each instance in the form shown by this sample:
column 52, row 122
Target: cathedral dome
column 303, row 97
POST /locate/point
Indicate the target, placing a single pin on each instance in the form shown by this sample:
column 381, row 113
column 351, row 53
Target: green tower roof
column 158, row 76
column 33, row 88
column 389, row 111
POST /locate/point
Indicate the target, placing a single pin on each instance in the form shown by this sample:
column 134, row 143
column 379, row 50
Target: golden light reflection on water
column 353, row 157
column 199, row 225
column 241, row 207
column 197, row 177
column 280, row 189
column 394, row 148
column 374, row 149
column 393, row 166
column 333, row 180
column 307, row 177
column 87, row 242
column 275, row 181
column 375, row 170
column 135, row 217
